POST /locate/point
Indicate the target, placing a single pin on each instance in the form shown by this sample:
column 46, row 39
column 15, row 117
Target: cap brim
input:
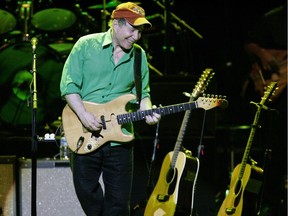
column 138, row 21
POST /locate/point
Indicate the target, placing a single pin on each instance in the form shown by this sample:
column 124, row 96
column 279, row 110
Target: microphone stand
column 34, row 137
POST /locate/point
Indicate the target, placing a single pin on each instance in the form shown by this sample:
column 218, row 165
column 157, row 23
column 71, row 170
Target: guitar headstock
column 270, row 90
column 203, row 82
column 211, row 101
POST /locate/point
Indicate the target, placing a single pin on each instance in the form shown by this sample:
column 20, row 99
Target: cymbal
column 110, row 4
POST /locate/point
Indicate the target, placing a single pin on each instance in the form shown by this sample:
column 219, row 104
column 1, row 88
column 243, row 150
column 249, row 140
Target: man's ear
column 115, row 23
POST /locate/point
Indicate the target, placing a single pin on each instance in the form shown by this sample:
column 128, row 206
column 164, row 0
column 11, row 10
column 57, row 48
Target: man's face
column 126, row 34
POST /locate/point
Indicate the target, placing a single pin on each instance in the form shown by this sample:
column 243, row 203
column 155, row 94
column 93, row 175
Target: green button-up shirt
column 90, row 70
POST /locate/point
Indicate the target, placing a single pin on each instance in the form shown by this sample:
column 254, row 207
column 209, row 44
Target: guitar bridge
column 162, row 198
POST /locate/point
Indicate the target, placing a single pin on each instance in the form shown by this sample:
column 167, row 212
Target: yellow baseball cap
column 133, row 13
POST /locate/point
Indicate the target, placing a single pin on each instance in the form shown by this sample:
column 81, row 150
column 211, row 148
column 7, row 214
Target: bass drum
column 7, row 16
column 16, row 85
column 54, row 15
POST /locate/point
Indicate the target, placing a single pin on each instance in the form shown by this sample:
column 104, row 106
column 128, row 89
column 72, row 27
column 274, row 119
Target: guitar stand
column 267, row 158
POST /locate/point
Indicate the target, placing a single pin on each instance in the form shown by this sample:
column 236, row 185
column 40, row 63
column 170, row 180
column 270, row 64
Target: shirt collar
column 108, row 38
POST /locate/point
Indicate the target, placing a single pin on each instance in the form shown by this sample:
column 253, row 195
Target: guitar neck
column 181, row 135
column 163, row 111
column 202, row 102
column 247, row 151
column 198, row 89
column 270, row 90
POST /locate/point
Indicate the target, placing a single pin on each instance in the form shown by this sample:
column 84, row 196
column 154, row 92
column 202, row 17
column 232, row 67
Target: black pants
column 116, row 165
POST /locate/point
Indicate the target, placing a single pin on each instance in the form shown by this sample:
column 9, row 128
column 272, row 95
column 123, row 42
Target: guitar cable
column 200, row 146
column 155, row 147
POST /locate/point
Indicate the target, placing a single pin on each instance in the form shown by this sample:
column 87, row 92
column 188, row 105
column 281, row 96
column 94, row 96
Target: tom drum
column 54, row 15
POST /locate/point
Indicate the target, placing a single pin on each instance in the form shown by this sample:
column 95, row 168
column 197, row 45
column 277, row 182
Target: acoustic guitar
column 233, row 202
column 174, row 190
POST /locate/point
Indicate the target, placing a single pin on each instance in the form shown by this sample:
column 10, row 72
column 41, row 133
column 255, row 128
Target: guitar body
column 174, row 188
column 186, row 189
column 233, row 203
column 251, row 197
column 253, row 190
column 74, row 130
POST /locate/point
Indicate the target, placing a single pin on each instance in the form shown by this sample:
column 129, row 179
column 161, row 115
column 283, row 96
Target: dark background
column 179, row 57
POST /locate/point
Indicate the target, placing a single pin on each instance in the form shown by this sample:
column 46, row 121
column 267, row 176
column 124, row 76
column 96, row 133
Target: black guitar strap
column 137, row 72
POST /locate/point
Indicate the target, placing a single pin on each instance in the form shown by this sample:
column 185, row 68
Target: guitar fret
column 141, row 115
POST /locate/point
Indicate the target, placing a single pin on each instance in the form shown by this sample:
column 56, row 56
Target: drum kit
column 51, row 21
column 57, row 24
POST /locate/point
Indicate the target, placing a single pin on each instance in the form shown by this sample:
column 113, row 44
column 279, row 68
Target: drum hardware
column 25, row 13
column 25, row 10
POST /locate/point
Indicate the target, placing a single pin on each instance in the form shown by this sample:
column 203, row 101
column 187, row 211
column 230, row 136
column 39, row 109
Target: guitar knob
column 89, row 147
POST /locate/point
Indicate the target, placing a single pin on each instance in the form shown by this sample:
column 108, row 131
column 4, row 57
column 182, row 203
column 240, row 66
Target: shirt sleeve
column 72, row 76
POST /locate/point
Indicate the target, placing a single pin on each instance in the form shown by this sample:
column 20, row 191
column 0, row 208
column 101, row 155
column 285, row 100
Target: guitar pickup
column 162, row 198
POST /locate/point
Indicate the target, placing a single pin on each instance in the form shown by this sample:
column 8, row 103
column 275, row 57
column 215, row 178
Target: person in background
column 266, row 47
column 100, row 68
